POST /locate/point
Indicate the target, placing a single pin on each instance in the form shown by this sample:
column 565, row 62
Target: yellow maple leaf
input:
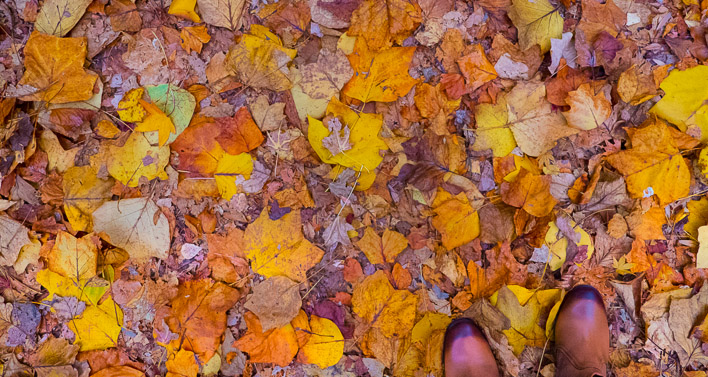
column 98, row 327
column 558, row 244
column 259, row 60
column 621, row 265
column 73, row 257
column 184, row 9
column 654, row 165
column 524, row 309
column 382, row 249
column 455, row 219
column 589, row 107
column 228, row 169
column 278, row 247
column 537, row 22
column 381, row 22
column 684, row 101
column 364, row 139
column 379, row 76
column 193, row 37
column 324, row 346
column 129, row 107
column 134, row 159
column 156, row 121
column 55, row 67
column 382, row 307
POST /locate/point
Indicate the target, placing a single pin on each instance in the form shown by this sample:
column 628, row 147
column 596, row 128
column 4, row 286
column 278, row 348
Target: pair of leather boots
column 582, row 341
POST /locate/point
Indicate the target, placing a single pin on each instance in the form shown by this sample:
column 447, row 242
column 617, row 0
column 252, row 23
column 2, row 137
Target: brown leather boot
column 582, row 334
column 466, row 352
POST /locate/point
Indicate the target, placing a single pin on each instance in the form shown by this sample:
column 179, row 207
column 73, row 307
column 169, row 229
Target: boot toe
column 466, row 351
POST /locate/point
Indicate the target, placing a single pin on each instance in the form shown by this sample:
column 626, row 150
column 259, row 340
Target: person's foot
column 466, row 352
column 582, row 334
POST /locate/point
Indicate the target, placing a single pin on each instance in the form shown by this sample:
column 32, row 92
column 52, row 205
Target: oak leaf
column 379, row 76
column 136, row 225
column 654, row 165
column 55, row 68
column 193, row 37
column 380, row 23
column 278, row 247
column 382, row 307
column 382, row 249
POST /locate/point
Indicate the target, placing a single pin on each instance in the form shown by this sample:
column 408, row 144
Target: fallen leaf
column 537, row 22
column 239, row 134
column 476, row 67
column 379, row 76
column 278, row 247
column 228, row 169
column 124, row 16
column 390, row 310
column 223, row 13
column 259, row 60
column 276, row 301
column 184, row 9
column 156, row 120
column 654, row 165
column 380, row 23
column 589, row 107
column 525, row 308
column 529, row 191
column 702, row 254
column 182, row 364
column 135, row 159
column 55, row 68
column 178, row 104
column 268, row 117
column 320, row 81
column 13, row 236
column 382, row 249
column 135, row 225
column 98, row 327
column 536, row 126
column 325, row 346
column 455, row 219
column 74, row 257
column 193, row 37
column 492, row 128
column 363, row 136
column 278, row 346
column 683, row 103
column 198, row 315
column 58, row 17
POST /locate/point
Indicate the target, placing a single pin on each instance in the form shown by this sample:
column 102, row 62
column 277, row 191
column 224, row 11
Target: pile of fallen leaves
column 318, row 187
